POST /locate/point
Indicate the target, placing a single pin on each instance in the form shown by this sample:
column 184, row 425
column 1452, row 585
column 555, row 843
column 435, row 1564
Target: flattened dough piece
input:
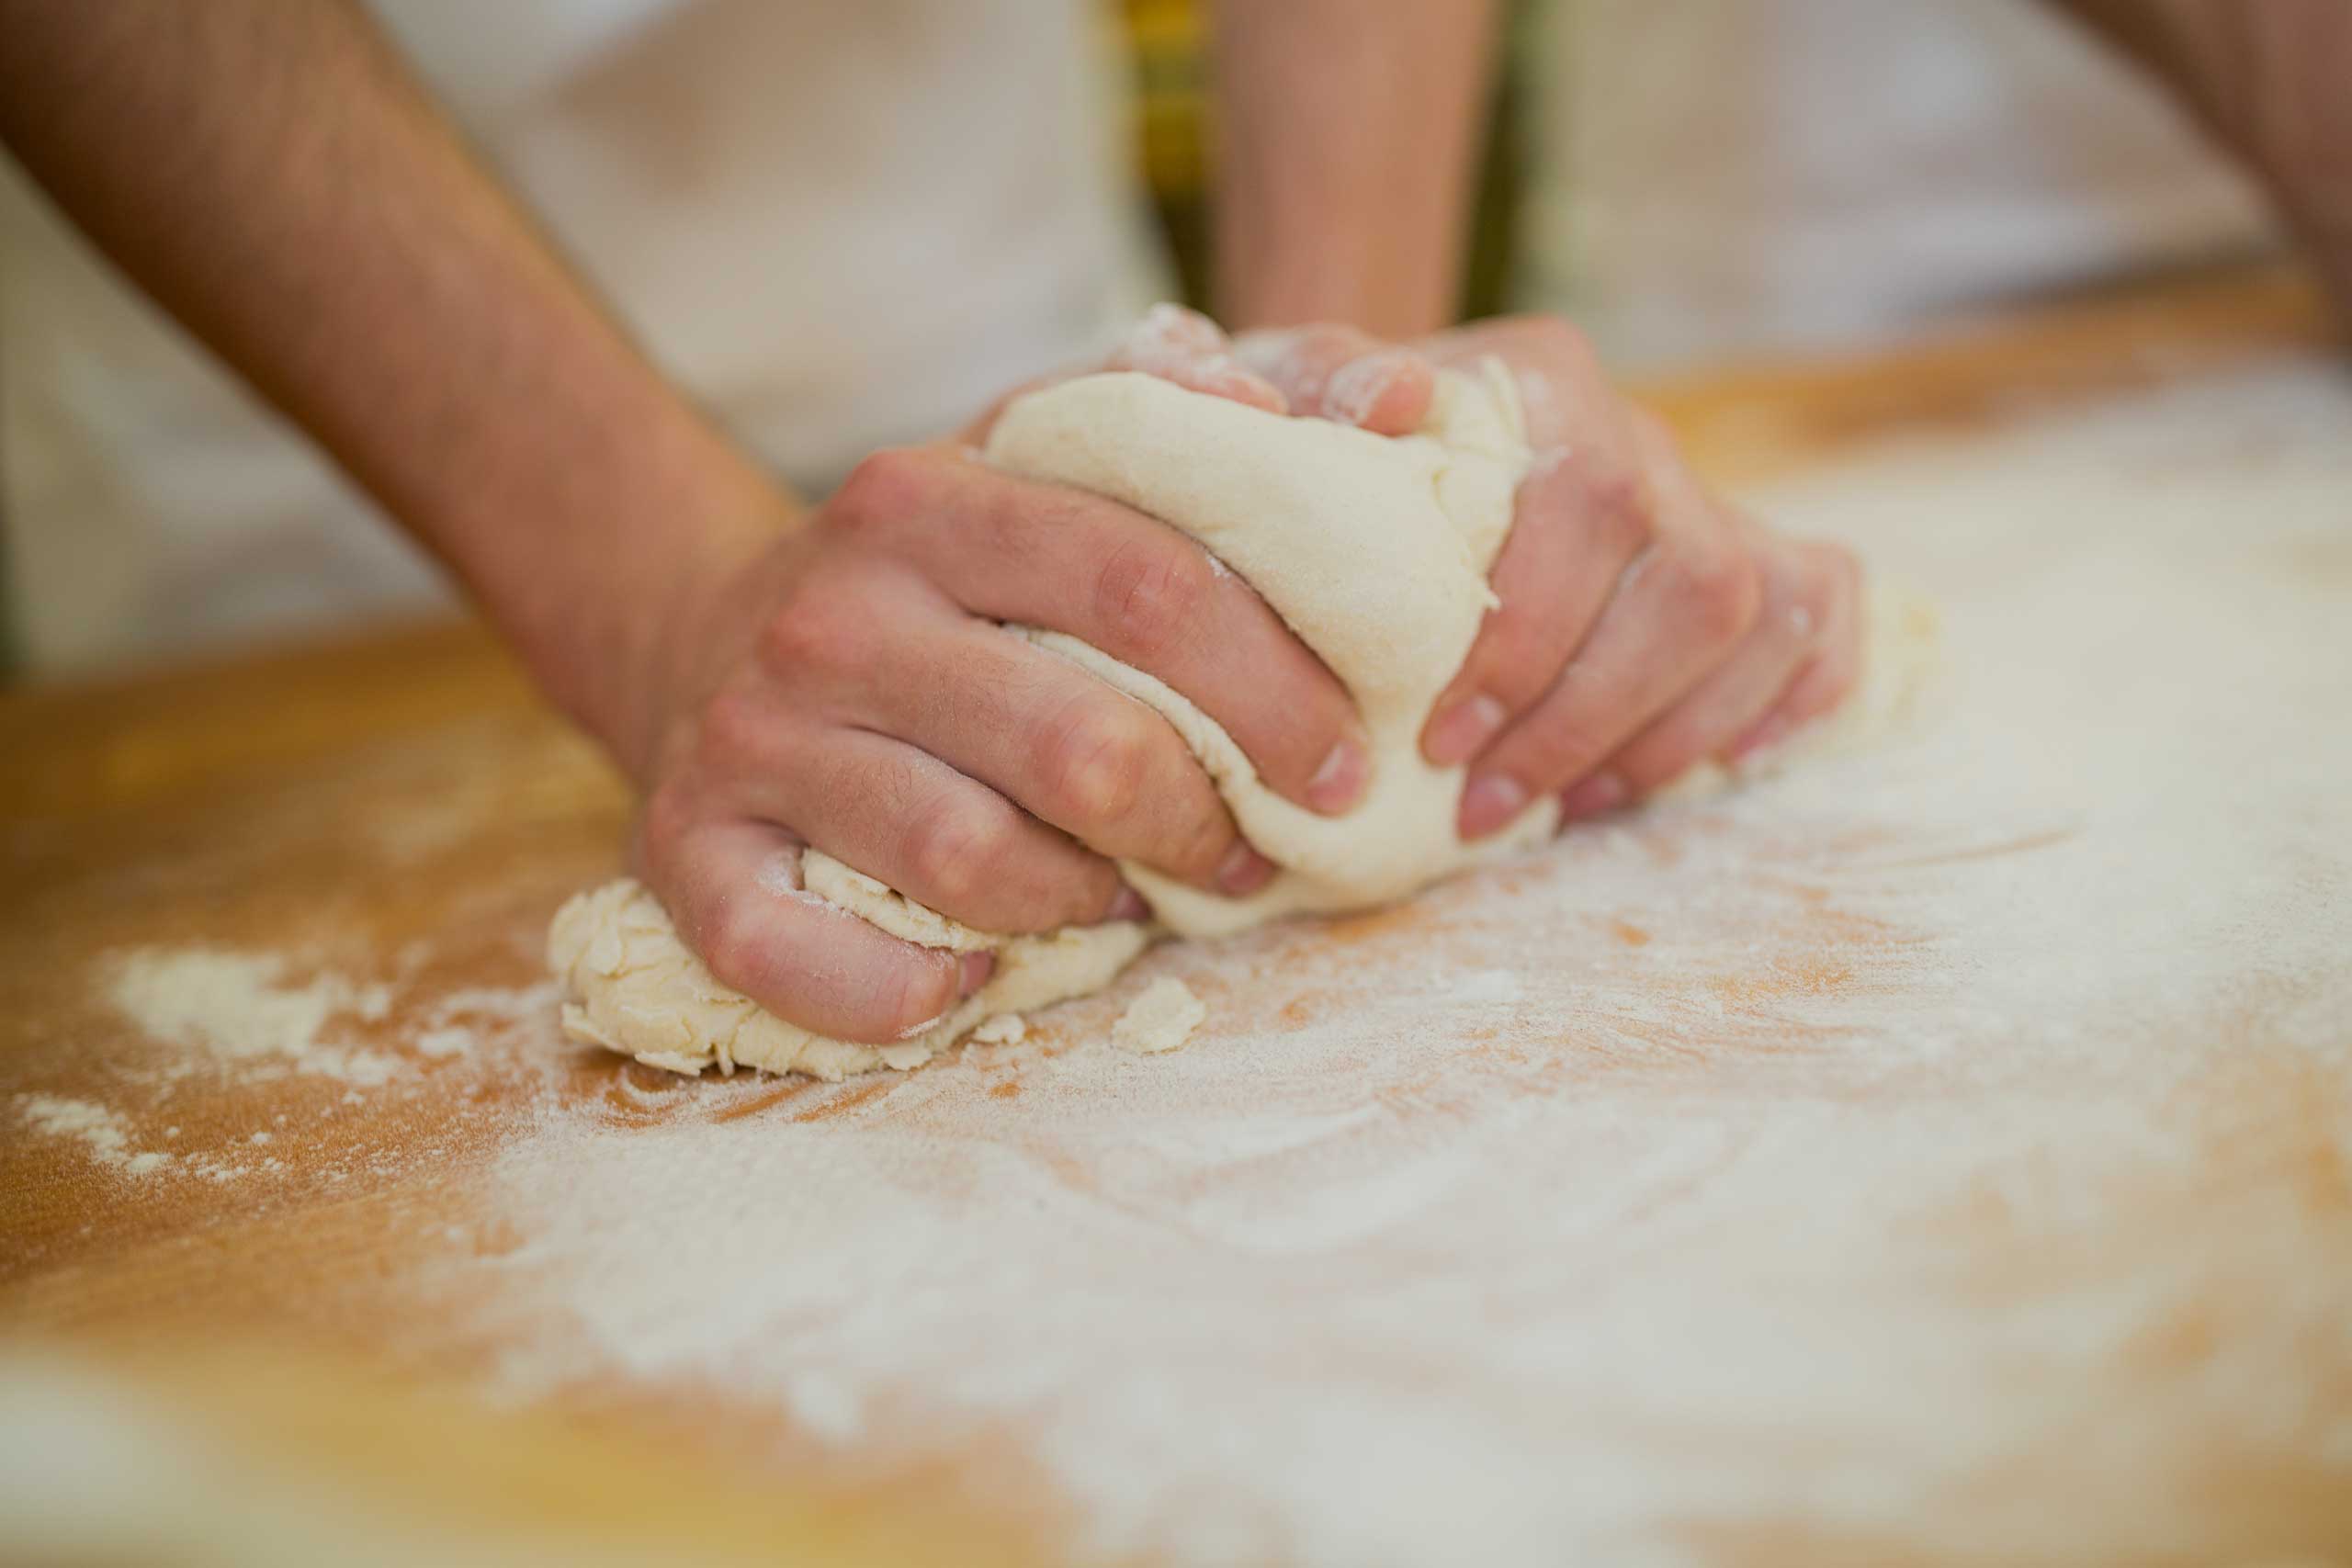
column 634, row 987
column 1161, row 1019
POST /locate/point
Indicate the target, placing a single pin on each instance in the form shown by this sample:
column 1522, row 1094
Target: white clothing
column 847, row 223
column 838, row 223
column 1742, row 178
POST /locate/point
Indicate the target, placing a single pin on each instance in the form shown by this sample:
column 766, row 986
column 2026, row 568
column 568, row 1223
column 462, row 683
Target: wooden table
column 396, row 808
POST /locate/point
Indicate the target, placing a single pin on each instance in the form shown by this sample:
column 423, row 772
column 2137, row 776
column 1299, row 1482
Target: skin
column 2268, row 81
column 1645, row 624
column 1351, row 132
column 773, row 674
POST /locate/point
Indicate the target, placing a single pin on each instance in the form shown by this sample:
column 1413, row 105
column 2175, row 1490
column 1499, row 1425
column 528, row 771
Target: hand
column 848, row 688
column 1645, row 626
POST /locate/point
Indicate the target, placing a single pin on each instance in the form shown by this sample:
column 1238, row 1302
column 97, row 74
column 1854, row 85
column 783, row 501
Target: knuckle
column 1554, row 335
column 1716, row 591
column 734, row 725
column 816, row 628
column 1610, row 502
column 1518, row 654
column 1198, row 846
column 1328, row 344
column 953, row 849
column 1150, row 593
column 1652, row 761
column 884, row 485
column 734, row 948
column 1096, row 758
column 662, row 822
column 1560, row 747
column 796, row 641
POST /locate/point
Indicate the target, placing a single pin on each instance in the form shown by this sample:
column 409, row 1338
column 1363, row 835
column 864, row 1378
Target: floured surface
column 1889, row 1149
column 1936, row 1154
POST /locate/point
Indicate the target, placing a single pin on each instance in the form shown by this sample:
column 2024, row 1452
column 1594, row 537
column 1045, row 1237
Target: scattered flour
column 1937, row 1105
column 445, row 1041
column 505, row 1004
column 237, row 1011
column 235, row 1007
column 103, row 1132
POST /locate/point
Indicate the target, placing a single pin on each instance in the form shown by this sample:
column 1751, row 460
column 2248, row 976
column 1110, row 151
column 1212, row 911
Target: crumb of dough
column 1004, row 1029
column 1161, row 1020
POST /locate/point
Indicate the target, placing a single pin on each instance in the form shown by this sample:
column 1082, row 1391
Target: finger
column 900, row 815
column 1707, row 720
column 1344, row 375
column 733, row 887
column 1584, row 513
column 1069, row 748
column 1677, row 611
column 1050, row 555
column 1828, row 677
column 1187, row 347
column 1579, row 522
column 1565, row 396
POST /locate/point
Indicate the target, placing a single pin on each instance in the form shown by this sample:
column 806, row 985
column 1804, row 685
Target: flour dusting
column 103, row 1133
column 1936, row 1102
column 237, row 1008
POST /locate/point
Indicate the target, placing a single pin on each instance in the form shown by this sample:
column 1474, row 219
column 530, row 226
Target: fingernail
column 1244, row 871
column 1340, row 779
column 1489, row 801
column 1128, row 905
column 1591, row 796
column 1458, row 734
column 973, row 971
column 1771, row 732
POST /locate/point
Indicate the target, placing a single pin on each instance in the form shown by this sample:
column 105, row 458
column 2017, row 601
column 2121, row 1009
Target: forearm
column 2272, row 81
column 1349, row 132
column 269, row 173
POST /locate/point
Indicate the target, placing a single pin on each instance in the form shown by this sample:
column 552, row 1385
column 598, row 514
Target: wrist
column 1287, row 270
column 614, row 616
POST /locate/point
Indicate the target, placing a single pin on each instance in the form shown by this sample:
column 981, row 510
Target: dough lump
column 1161, row 1019
column 1374, row 549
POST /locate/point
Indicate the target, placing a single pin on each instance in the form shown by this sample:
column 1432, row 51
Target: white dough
column 634, row 987
column 1374, row 549
column 1161, row 1019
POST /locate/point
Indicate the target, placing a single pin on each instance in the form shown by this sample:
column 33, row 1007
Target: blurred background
column 906, row 234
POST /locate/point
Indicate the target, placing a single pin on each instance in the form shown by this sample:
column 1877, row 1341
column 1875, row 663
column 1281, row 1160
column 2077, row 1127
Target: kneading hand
column 1645, row 626
column 849, row 689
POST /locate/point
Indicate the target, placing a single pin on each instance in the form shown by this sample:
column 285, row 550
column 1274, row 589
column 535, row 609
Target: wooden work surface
column 397, row 809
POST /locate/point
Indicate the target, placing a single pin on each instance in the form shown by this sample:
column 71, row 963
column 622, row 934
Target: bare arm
column 1349, row 132
column 270, row 173
column 2272, row 80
